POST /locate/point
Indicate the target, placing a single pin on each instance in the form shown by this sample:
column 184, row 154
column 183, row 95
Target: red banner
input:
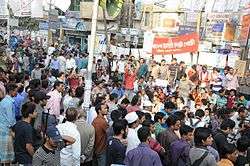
column 175, row 45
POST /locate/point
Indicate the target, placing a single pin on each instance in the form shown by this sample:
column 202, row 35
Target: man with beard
column 116, row 145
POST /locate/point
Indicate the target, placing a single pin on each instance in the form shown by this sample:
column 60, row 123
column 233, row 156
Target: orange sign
column 175, row 45
column 229, row 32
column 244, row 29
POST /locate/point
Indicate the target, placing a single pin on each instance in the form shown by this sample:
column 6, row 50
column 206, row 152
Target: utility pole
column 49, row 24
column 198, row 26
column 88, row 80
column 105, row 29
column 8, row 23
column 129, row 23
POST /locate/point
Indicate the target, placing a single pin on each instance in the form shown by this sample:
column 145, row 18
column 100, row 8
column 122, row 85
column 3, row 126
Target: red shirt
column 230, row 102
column 129, row 80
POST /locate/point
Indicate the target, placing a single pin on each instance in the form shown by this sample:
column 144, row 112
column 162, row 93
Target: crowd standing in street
column 142, row 112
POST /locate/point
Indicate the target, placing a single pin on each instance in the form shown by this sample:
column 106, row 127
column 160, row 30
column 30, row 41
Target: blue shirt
column 18, row 101
column 54, row 64
column 7, row 113
column 119, row 91
column 142, row 155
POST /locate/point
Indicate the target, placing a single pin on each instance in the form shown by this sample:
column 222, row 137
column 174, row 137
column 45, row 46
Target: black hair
column 27, row 108
column 169, row 105
column 98, row 107
column 10, row 87
column 180, row 115
column 227, row 149
column 185, row 129
column 125, row 101
column 147, row 116
column 140, row 114
column 115, row 115
column 57, row 83
column 147, row 123
column 143, row 134
column 71, row 114
column 243, row 143
column 34, row 84
column 228, row 123
column 118, row 126
column 158, row 116
column 45, row 84
column 79, row 92
column 201, row 134
column 113, row 96
column 241, row 109
column 134, row 100
column 199, row 113
column 171, row 120
column 20, row 89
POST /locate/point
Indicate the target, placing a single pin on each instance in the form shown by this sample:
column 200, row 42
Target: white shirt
column 121, row 67
column 70, row 63
column 70, row 155
column 62, row 63
column 51, row 50
column 114, row 66
column 66, row 101
column 195, row 122
column 133, row 140
column 91, row 115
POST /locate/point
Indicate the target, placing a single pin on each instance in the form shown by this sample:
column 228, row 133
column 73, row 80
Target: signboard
column 215, row 25
column 244, row 29
column 218, row 27
column 45, row 26
column 167, row 22
column 100, row 43
column 175, row 45
column 229, row 32
column 184, row 29
column 25, row 8
column 240, row 66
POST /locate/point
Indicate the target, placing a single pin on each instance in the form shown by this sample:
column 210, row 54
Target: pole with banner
column 88, row 81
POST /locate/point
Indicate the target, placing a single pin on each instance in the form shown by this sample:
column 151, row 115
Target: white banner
column 3, row 8
column 37, row 9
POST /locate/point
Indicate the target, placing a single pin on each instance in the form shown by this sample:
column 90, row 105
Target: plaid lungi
column 6, row 146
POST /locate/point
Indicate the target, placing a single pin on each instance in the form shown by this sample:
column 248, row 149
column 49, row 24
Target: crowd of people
column 143, row 112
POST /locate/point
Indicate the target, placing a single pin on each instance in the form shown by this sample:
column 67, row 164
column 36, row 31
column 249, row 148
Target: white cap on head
column 131, row 117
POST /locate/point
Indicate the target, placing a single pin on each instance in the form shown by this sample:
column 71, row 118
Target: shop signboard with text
column 175, row 45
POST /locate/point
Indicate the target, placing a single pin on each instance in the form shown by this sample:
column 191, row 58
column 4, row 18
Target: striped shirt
column 46, row 157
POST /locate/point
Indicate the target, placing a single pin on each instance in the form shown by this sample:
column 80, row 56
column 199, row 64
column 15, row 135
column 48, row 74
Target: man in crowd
column 70, row 155
column 87, row 133
column 49, row 153
column 143, row 154
column 199, row 155
column 180, row 148
column 133, row 123
column 116, row 145
column 8, row 120
column 23, row 135
column 54, row 102
column 100, row 124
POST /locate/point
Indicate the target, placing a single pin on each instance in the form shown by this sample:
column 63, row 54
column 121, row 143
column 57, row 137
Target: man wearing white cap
column 133, row 123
